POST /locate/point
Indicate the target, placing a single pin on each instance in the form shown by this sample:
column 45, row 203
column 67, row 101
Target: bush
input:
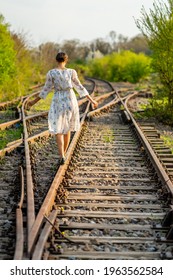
column 7, row 56
column 124, row 66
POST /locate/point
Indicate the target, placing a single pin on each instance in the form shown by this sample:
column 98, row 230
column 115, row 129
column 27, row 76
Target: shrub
column 123, row 66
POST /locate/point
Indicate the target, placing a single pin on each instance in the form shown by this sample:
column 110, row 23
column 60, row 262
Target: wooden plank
column 113, row 205
column 97, row 172
column 112, row 145
column 109, row 187
column 80, row 178
column 109, row 214
column 67, row 254
column 108, row 239
column 91, row 226
column 116, row 153
column 110, row 162
column 166, row 156
column 114, row 168
column 117, row 156
column 93, row 196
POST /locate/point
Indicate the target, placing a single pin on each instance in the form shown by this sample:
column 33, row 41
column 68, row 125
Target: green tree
column 7, row 56
column 157, row 27
column 122, row 66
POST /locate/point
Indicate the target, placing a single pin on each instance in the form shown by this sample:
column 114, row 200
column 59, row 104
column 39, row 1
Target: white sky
column 58, row 20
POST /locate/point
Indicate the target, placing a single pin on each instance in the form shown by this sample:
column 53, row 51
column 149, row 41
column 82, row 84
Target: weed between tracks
column 9, row 135
column 43, row 105
column 108, row 138
column 168, row 140
column 7, row 115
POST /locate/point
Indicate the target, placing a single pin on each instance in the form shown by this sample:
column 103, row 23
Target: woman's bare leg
column 60, row 144
column 66, row 141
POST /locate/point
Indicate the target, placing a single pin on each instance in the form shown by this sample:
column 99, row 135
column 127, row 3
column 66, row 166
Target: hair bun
column 61, row 57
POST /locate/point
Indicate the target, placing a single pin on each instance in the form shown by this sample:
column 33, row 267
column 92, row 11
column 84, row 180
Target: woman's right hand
column 29, row 104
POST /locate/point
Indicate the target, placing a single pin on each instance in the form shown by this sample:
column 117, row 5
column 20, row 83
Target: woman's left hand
column 95, row 104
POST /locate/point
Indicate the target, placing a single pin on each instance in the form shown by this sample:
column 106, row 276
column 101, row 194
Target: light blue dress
column 63, row 115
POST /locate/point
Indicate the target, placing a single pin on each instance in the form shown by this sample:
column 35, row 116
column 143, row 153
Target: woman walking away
column 63, row 115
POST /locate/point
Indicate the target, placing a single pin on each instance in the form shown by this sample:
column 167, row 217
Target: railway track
column 109, row 201
column 44, row 153
column 110, row 198
column 9, row 197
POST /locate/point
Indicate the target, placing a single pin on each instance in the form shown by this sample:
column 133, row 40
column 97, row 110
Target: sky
column 57, row 20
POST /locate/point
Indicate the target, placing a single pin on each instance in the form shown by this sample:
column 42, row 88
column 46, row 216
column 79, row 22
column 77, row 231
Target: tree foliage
column 22, row 66
column 7, row 55
column 123, row 66
column 16, row 65
column 157, row 27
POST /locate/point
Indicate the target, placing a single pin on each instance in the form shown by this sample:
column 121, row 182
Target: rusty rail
column 38, row 251
column 29, row 181
column 49, row 200
column 154, row 159
column 11, row 146
column 19, row 249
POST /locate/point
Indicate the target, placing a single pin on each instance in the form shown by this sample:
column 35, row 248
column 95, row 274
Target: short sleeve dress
column 63, row 115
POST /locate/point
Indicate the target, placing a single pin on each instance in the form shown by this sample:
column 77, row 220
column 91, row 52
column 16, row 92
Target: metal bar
column 19, row 248
column 49, row 200
column 38, row 251
column 29, row 182
column 155, row 161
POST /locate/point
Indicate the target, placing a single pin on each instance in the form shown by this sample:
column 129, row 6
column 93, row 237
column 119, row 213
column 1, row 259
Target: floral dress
column 63, row 115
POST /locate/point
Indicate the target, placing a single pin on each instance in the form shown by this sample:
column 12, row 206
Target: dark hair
column 61, row 57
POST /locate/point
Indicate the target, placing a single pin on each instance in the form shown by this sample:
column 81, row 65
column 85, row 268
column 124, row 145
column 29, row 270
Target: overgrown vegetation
column 16, row 66
column 115, row 58
column 22, row 66
column 157, row 27
column 9, row 135
column 168, row 140
column 42, row 105
column 124, row 66
column 7, row 58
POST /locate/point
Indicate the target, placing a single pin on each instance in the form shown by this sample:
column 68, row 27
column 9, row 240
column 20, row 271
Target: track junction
column 112, row 199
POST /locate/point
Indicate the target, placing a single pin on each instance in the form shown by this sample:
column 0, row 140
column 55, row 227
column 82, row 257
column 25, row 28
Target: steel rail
column 19, row 248
column 49, row 200
column 11, row 146
column 50, row 197
column 29, row 181
column 8, row 124
column 101, row 80
column 36, row 86
column 153, row 157
column 46, row 206
column 38, row 251
column 8, row 103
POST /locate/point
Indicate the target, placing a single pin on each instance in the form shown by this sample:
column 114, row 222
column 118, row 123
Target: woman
column 63, row 115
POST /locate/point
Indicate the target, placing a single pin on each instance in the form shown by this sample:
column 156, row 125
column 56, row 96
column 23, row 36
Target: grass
column 168, row 140
column 7, row 115
column 43, row 104
column 10, row 135
column 108, row 138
